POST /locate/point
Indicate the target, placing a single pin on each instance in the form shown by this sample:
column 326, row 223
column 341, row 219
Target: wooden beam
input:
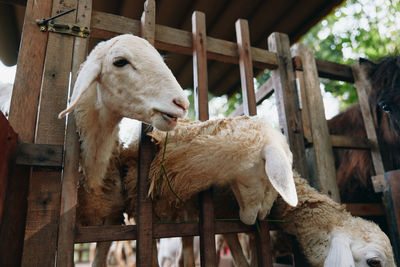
column 39, row 155
column 23, row 112
column 246, row 67
column 287, row 100
column 365, row 209
column 8, row 144
column 392, row 204
column 206, row 226
column 69, row 185
column 313, row 107
column 144, row 252
column 349, row 142
column 362, row 86
column 179, row 41
column 44, row 193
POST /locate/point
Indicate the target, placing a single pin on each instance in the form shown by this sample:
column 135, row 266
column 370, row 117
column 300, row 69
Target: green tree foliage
column 359, row 28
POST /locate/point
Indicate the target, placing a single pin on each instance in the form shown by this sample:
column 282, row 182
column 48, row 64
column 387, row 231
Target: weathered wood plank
column 334, row 71
column 160, row 230
column 69, row 186
column 287, row 100
column 246, row 67
column 206, row 226
column 179, row 41
column 365, row 209
column 362, row 85
column 264, row 253
column 39, row 155
column 313, row 107
column 8, row 144
column 44, row 194
column 148, row 19
column 393, row 209
column 200, row 77
column 23, row 112
column 144, row 252
column 341, row 141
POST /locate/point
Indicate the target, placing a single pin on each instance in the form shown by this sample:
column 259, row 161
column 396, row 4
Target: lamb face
column 361, row 244
column 132, row 81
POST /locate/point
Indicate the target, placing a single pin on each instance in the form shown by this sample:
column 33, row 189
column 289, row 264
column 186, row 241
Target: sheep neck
column 98, row 130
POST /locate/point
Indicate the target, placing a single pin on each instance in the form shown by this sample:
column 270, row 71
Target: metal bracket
column 63, row 27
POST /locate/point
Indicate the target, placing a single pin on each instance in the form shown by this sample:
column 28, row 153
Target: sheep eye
column 374, row 262
column 120, row 62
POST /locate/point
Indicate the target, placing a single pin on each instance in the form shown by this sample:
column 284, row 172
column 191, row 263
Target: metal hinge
column 63, row 27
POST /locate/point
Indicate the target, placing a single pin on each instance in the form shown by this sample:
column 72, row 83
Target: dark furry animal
column 354, row 167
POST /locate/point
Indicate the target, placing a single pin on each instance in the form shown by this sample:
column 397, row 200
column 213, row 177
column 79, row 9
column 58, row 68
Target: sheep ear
column 339, row 252
column 280, row 174
column 87, row 75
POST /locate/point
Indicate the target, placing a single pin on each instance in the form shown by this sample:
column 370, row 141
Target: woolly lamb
column 122, row 77
column 329, row 235
column 244, row 152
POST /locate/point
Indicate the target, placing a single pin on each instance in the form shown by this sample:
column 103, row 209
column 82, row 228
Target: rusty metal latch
column 63, row 27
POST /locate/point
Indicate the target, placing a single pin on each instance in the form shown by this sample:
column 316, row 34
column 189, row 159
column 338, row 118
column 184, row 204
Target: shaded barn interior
column 294, row 18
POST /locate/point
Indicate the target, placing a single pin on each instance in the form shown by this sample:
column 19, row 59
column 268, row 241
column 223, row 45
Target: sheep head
column 132, row 81
column 256, row 196
column 364, row 246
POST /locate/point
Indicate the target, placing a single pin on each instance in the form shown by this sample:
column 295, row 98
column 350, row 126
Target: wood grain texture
column 246, row 67
column 362, row 85
column 264, row 253
column 44, row 193
column 148, row 19
column 144, row 253
column 23, row 113
column 200, row 79
column 313, row 107
column 8, row 144
column 393, row 200
column 365, row 209
column 39, row 155
column 144, row 204
column 287, row 100
column 178, row 41
column 206, row 226
column 69, row 186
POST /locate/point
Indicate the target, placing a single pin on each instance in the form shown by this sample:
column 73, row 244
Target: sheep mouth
column 169, row 118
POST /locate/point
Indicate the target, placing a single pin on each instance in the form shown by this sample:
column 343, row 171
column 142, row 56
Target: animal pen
column 44, row 162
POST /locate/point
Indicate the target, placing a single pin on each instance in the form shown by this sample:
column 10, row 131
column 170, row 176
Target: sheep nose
column 182, row 103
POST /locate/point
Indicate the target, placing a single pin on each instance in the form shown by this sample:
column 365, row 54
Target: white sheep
column 245, row 153
column 329, row 235
column 122, row 77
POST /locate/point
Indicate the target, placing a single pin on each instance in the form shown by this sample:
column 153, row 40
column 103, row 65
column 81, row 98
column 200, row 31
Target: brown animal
column 354, row 167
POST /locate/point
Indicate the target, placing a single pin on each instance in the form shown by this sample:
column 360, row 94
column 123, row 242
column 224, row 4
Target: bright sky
column 7, row 74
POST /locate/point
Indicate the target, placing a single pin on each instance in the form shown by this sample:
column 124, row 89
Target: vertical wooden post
column 44, row 193
column 246, row 67
column 207, row 239
column 264, row 254
column 362, row 85
column 69, row 186
column 287, row 100
column 313, row 106
column 144, row 253
column 23, row 112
